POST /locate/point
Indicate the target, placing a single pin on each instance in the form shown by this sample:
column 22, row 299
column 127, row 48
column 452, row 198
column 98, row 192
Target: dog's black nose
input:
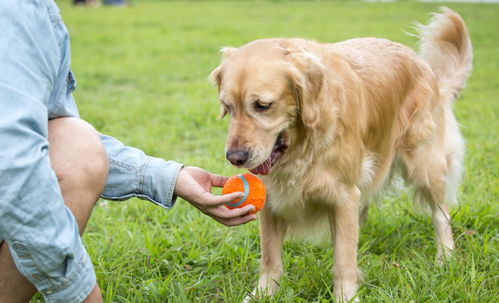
column 237, row 157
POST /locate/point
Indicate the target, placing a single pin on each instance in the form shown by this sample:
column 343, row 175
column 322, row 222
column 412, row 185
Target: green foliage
column 142, row 74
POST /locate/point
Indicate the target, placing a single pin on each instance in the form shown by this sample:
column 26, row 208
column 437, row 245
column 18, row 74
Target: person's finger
column 217, row 180
column 226, row 213
column 214, row 200
column 239, row 220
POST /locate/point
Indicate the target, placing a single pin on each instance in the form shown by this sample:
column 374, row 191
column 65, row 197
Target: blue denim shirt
column 36, row 85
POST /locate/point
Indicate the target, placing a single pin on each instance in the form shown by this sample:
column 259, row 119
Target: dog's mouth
column 277, row 151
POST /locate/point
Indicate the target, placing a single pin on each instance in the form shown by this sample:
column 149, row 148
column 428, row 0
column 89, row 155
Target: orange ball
column 252, row 187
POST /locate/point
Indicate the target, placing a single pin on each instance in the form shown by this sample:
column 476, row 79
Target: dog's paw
column 255, row 296
column 345, row 292
column 444, row 255
column 346, row 299
column 249, row 298
column 445, row 252
column 267, row 287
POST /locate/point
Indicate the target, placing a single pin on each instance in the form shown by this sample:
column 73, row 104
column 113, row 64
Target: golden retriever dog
column 327, row 125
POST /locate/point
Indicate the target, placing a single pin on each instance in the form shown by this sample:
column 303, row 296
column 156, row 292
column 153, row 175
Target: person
column 115, row 2
column 54, row 166
column 85, row 2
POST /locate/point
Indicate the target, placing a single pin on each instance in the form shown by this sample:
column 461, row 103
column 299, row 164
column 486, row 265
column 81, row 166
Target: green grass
column 142, row 75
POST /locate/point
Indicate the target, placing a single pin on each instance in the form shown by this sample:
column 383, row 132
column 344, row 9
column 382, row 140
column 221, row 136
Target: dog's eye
column 261, row 107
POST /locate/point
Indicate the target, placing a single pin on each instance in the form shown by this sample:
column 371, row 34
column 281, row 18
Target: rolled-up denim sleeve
column 134, row 174
column 40, row 230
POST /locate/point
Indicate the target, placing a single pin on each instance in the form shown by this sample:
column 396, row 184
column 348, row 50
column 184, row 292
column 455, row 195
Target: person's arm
column 39, row 229
column 134, row 174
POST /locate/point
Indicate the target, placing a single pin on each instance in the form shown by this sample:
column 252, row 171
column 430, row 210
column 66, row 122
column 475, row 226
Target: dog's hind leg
column 272, row 233
column 434, row 170
column 443, row 230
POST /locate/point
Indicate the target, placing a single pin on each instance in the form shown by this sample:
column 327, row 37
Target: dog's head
column 268, row 90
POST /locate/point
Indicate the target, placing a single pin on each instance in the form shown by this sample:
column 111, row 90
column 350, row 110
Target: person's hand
column 194, row 185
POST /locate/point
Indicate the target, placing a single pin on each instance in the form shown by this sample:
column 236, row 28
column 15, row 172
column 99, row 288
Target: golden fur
column 351, row 113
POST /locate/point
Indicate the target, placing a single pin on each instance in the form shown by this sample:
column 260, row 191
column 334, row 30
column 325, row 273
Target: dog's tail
column 445, row 44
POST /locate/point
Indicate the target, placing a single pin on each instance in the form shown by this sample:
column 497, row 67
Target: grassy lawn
column 142, row 74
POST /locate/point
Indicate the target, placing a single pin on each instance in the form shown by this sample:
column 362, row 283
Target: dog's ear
column 215, row 76
column 227, row 52
column 223, row 112
column 305, row 80
column 215, row 79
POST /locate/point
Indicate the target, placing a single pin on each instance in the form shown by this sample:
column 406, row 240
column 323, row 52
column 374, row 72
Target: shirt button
column 49, row 292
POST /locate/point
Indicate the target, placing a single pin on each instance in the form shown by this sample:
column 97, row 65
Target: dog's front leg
column 344, row 222
column 272, row 233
